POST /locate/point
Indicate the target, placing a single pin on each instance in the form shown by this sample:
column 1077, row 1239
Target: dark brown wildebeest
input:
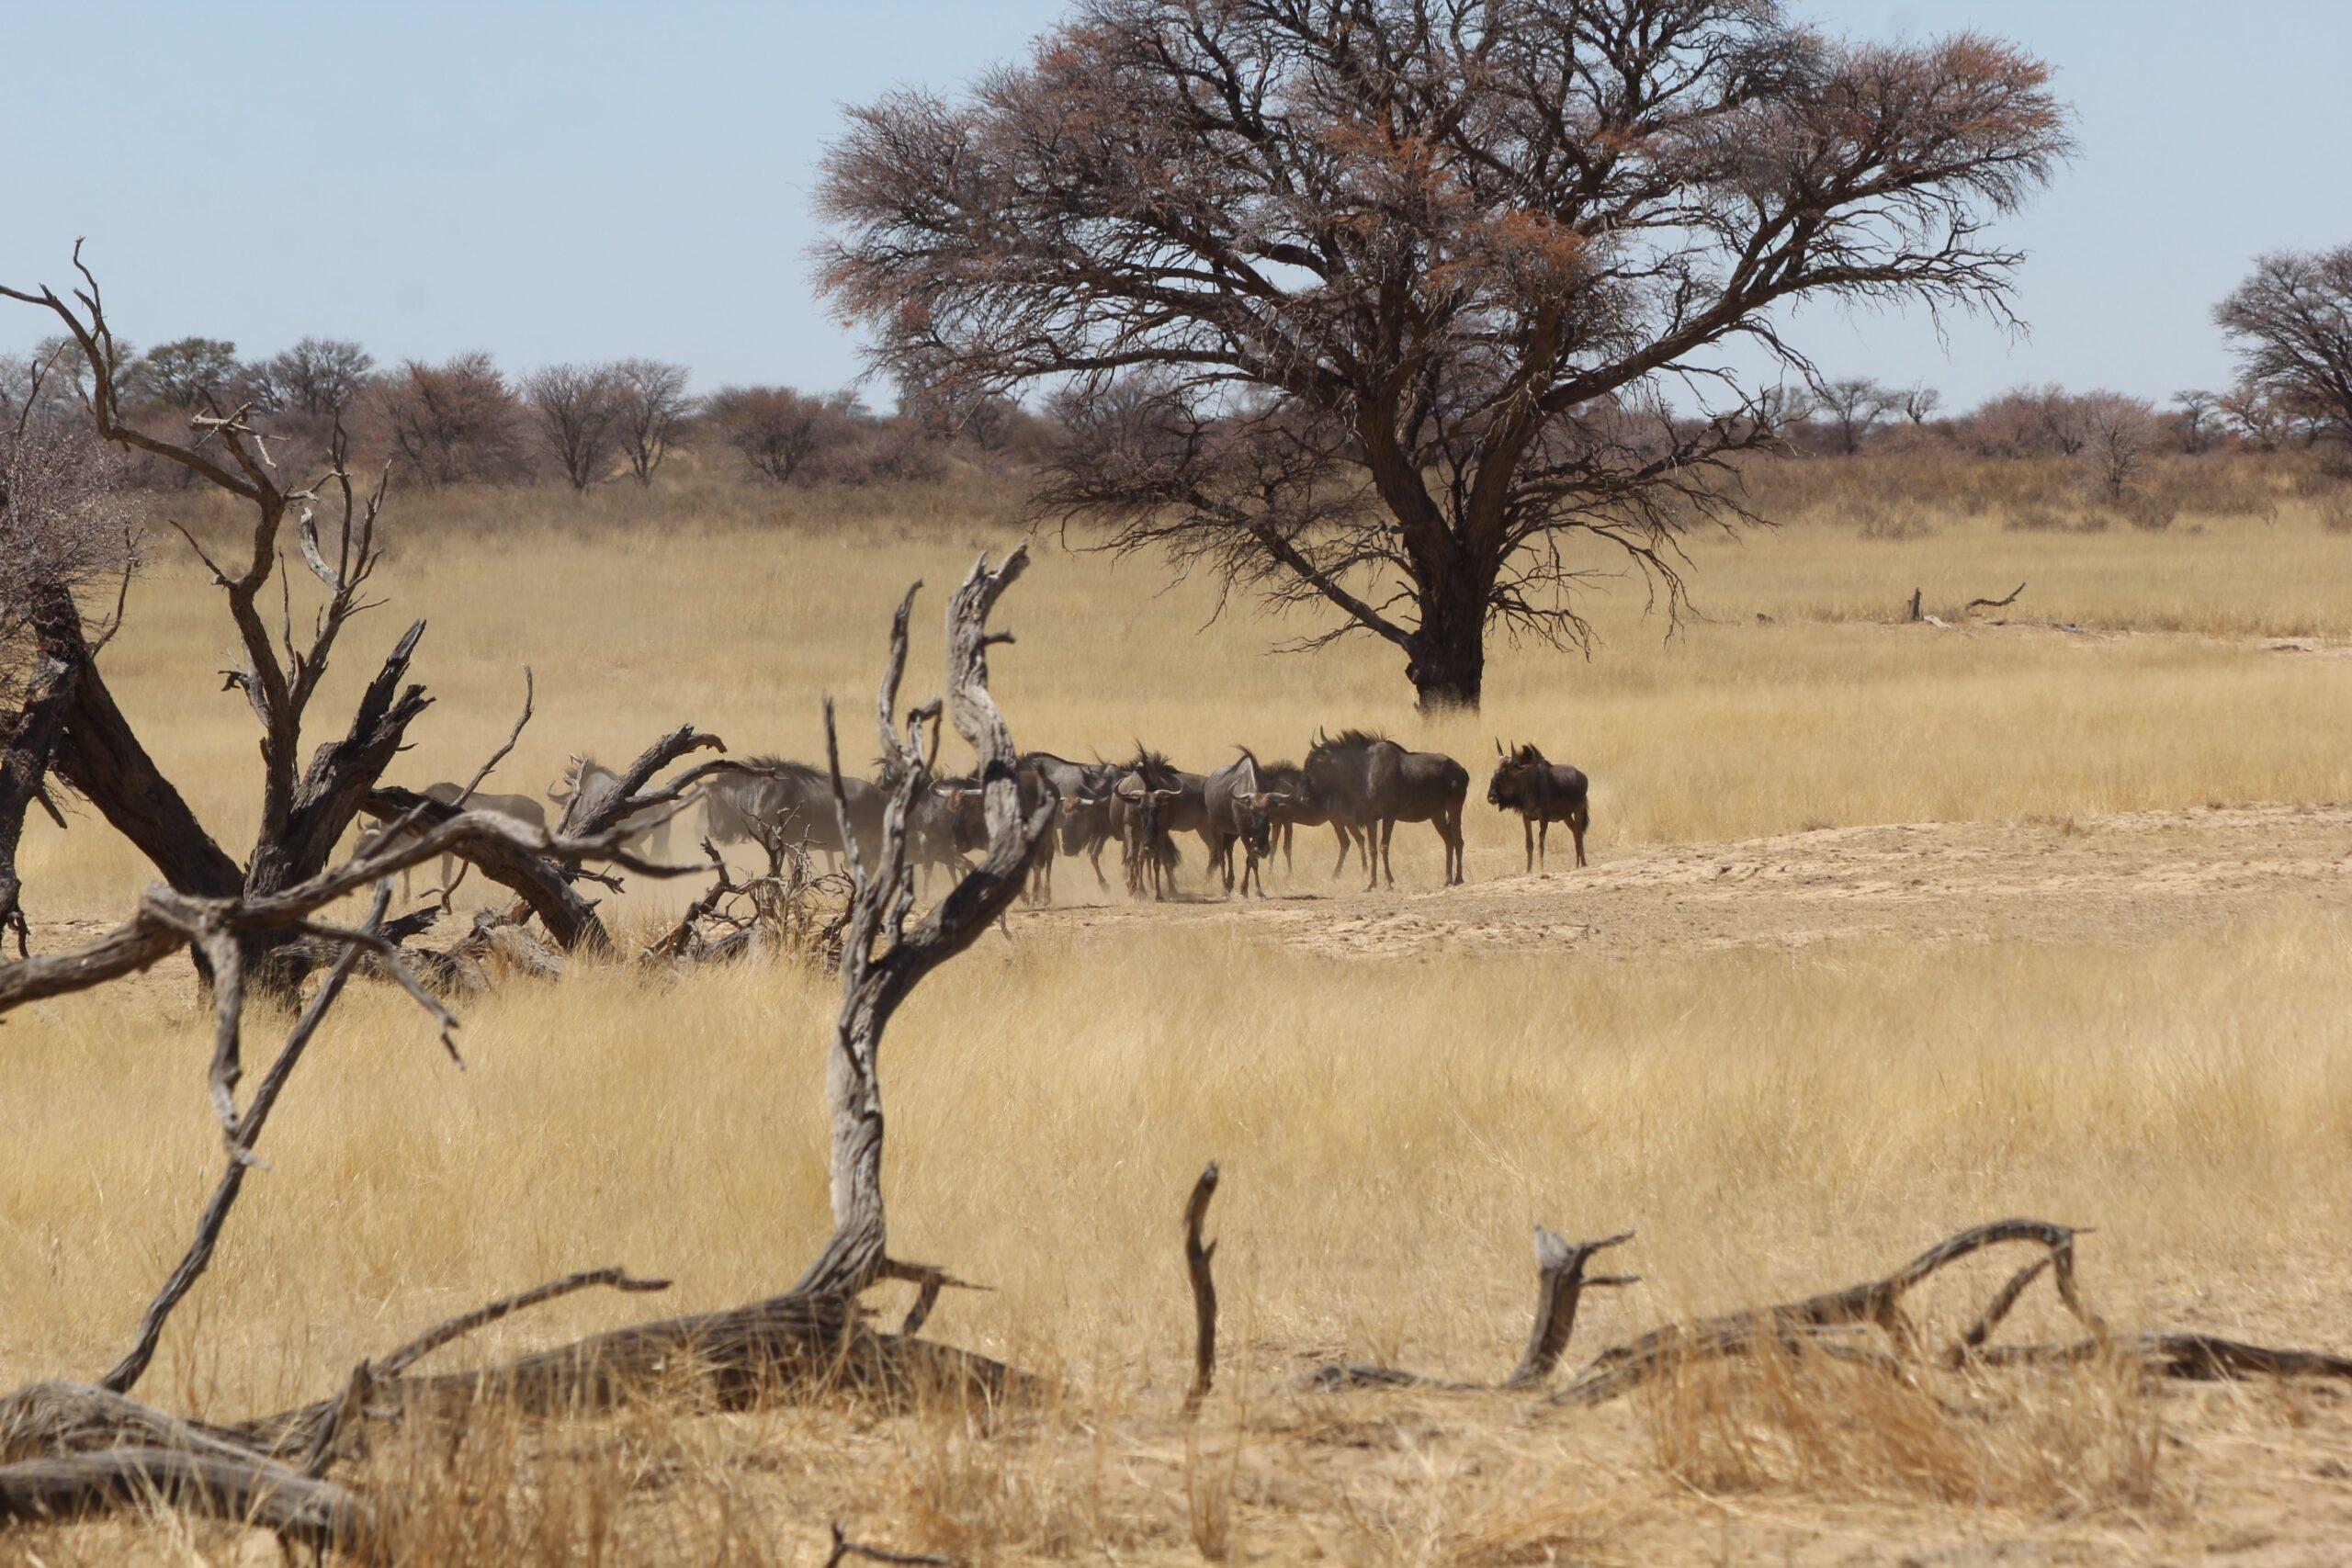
column 522, row 807
column 1299, row 808
column 1240, row 807
column 964, row 804
column 1148, row 852
column 1369, row 783
column 1542, row 792
column 1177, row 806
column 1084, row 819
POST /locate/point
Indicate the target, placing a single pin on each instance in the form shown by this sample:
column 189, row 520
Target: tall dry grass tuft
column 2087, row 1439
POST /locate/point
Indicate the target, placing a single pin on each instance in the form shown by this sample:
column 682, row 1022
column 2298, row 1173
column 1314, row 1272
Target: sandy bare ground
column 2127, row 877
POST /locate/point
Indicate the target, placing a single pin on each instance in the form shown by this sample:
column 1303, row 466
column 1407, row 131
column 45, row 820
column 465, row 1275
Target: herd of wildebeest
column 1358, row 784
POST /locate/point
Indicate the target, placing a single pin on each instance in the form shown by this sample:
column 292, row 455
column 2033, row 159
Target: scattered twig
column 845, row 1549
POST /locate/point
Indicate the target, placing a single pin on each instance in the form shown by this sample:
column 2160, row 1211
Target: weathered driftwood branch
column 1797, row 1326
column 1198, row 1255
column 305, row 806
column 1828, row 1325
column 242, row 1489
column 1823, row 1324
column 1993, row 603
column 2197, row 1357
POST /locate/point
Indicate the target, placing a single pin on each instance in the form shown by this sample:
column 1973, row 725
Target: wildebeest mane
column 1346, row 740
column 1154, row 768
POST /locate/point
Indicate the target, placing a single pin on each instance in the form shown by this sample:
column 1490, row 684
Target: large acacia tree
column 2292, row 322
column 1379, row 305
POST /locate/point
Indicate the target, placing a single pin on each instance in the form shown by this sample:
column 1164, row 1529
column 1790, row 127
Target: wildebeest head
column 579, row 774
column 1514, row 773
column 1253, row 806
column 1084, row 817
column 962, row 805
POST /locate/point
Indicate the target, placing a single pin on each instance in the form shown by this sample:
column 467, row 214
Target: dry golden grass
column 1769, row 1122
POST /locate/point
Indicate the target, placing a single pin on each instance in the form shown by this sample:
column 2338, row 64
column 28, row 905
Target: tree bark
column 25, row 751
column 1448, row 667
column 99, row 756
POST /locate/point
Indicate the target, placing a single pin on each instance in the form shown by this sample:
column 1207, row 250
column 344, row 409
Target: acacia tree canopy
column 1374, row 304
column 2292, row 321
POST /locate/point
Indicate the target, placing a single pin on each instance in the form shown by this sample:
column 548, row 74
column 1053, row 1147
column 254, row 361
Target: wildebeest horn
column 1165, row 793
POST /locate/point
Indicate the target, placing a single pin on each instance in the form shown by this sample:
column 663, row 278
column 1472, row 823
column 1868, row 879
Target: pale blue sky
column 582, row 181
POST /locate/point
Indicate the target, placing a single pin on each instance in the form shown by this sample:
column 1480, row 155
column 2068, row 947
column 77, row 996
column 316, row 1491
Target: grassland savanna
column 1771, row 1117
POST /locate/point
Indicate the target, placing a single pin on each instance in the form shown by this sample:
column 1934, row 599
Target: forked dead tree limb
column 1831, row 1324
column 1560, row 1284
column 1198, row 1255
column 1798, row 1324
column 882, row 957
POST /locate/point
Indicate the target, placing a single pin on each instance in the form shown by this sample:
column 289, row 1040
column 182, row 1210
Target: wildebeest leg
column 1094, row 859
column 1543, row 843
column 1528, row 825
column 1285, row 848
column 1576, row 825
column 1342, row 863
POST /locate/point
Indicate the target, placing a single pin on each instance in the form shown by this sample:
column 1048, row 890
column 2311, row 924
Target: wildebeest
column 1299, row 808
column 963, row 803
column 793, row 799
column 1148, row 852
column 649, row 827
column 1238, row 808
column 1084, row 821
column 1370, row 783
column 1176, row 806
column 524, row 807
column 1542, row 792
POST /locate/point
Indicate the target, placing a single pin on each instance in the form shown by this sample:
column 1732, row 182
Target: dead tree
column 305, row 806
column 69, row 1450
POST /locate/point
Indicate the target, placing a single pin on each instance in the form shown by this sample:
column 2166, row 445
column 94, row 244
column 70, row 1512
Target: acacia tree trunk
column 1448, row 662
